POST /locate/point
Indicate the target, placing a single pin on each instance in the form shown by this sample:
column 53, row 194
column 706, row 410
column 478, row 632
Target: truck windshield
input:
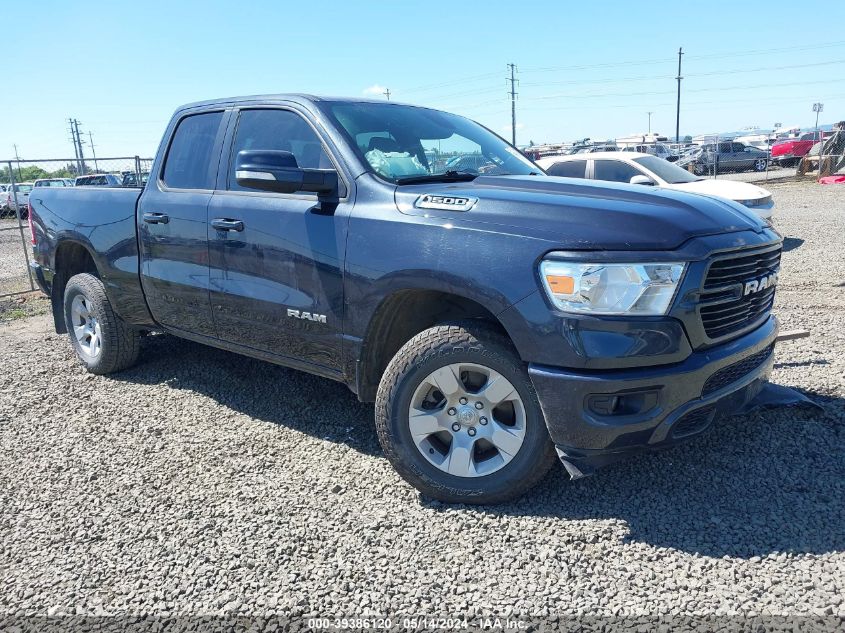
column 410, row 144
column 669, row 172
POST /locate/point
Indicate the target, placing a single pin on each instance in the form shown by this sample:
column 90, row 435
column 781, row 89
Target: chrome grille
column 731, row 311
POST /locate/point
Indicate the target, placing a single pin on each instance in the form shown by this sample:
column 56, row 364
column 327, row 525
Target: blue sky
column 585, row 69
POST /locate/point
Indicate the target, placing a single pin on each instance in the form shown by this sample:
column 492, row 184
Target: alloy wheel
column 86, row 328
column 467, row 419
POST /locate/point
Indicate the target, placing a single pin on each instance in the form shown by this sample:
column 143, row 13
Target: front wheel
column 103, row 342
column 760, row 164
column 458, row 418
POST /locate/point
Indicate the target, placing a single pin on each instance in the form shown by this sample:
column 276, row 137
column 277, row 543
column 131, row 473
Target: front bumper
column 597, row 417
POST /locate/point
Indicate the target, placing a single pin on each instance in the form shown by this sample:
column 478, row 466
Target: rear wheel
column 103, row 342
column 458, row 417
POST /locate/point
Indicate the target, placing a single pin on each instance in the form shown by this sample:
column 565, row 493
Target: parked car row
column 8, row 204
column 14, row 196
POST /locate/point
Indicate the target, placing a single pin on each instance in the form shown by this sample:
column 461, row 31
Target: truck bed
column 102, row 219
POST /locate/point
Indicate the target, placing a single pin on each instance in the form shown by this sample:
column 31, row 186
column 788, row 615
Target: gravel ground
column 201, row 482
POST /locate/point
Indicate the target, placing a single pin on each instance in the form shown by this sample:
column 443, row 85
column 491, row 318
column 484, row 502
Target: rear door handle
column 156, row 218
column 222, row 224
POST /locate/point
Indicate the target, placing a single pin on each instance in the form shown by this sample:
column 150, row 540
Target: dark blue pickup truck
column 499, row 318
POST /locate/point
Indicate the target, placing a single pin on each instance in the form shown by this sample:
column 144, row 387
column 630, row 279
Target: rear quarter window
column 615, row 171
column 188, row 164
column 568, row 169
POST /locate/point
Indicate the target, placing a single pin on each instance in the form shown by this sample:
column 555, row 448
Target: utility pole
column 18, row 159
column 649, row 122
column 513, row 102
column 386, row 93
column 678, row 111
column 93, row 153
column 79, row 145
column 75, row 146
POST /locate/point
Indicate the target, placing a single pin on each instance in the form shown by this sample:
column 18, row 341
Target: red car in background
column 789, row 151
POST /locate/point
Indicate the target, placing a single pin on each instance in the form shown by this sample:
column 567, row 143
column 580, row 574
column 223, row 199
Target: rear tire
column 502, row 450
column 103, row 342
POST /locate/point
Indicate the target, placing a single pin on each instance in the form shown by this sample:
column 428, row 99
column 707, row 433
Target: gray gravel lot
column 203, row 482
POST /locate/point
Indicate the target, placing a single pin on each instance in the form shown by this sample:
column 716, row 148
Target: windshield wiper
column 446, row 176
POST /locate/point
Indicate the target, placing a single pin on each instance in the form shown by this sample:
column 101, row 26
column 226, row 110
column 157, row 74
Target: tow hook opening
column 623, row 403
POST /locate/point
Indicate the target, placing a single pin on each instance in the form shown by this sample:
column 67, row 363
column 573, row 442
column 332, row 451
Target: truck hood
column 583, row 215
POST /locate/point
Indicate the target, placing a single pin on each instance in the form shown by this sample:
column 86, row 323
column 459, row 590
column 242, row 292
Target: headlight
column 620, row 289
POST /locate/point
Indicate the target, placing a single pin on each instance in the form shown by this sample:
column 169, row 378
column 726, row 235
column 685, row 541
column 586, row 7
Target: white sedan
column 645, row 169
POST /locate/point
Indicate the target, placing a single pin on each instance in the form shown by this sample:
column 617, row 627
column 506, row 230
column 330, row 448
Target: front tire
column 760, row 164
column 103, row 342
column 458, row 418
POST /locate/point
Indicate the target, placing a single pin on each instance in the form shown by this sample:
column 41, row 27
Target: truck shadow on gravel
column 318, row 406
column 766, row 484
column 769, row 483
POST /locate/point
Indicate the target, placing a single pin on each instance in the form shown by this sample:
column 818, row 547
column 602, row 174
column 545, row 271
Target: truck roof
column 296, row 97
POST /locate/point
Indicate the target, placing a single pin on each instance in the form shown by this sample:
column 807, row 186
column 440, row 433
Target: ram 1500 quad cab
column 499, row 318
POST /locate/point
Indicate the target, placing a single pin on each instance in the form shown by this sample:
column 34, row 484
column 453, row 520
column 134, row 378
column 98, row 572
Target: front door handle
column 156, row 218
column 223, row 224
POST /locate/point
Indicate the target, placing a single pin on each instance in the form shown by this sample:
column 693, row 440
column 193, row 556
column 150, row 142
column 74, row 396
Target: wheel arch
column 71, row 258
column 399, row 317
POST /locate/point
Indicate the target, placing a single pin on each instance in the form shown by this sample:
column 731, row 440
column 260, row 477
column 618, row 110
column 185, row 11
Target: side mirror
column 277, row 171
column 641, row 180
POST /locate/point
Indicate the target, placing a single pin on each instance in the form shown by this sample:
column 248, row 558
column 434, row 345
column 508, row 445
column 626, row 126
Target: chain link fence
column 19, row 179
column 826, row 158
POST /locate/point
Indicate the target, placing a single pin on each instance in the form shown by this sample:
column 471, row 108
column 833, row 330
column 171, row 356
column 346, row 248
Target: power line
column 664, row 60
column 593, row 95
column 707, row 74
column 692, row 103
column 456, row 82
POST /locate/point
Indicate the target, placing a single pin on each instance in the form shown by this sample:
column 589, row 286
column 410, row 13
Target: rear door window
column 190, row 163
column 568, row 169
column 615, row 171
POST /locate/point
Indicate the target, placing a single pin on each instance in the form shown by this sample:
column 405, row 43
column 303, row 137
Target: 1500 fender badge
column 307, row 316
column 757, row 285
column 445, row 203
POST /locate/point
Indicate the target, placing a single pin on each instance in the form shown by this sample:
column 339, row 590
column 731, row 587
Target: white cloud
column 374, row 90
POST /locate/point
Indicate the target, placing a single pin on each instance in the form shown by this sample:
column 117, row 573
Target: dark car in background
column 728, row 156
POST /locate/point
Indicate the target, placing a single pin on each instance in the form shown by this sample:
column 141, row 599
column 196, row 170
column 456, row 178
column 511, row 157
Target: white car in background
column 644, row 169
